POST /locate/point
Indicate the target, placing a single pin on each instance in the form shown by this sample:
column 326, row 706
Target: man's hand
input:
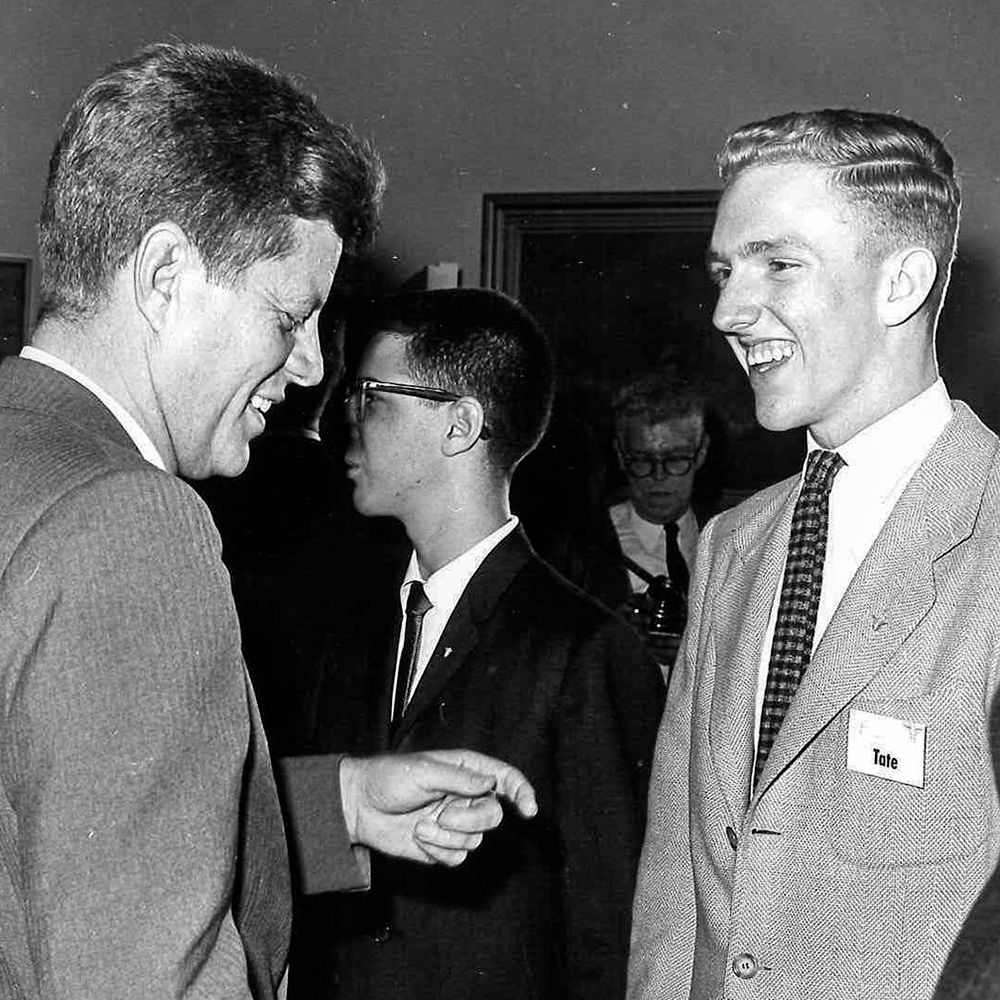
column 429, row 807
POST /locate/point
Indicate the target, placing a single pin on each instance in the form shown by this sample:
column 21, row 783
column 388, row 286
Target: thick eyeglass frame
column 643, row 464
column 356, row 396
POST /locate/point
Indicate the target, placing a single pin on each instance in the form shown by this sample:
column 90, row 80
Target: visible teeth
column 260, row 403
column 769, row 350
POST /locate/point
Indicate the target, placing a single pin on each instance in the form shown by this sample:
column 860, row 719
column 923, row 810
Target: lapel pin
column 447, row 652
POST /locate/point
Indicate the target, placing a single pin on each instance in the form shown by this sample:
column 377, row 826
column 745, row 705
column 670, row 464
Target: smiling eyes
column 719, row 273
column 289, row 323
column 778, row 266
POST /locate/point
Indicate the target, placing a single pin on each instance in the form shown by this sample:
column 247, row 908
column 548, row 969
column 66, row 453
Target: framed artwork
column 15, row 302
column 619, row 282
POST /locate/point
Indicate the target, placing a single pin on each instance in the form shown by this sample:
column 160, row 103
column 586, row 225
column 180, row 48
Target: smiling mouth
column 769, row 354
column 260, row 403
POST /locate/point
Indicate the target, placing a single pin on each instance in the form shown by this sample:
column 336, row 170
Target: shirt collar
column 131, row 426
column 650, row 534
column 445, row 585
column 889, row 449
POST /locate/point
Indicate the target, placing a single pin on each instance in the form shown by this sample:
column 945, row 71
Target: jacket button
column 745, row 966
column 731, row 837
column 382, row 935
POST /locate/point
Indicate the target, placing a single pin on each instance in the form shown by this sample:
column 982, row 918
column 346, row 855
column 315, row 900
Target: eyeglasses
column 643, row 464
column 358, row 392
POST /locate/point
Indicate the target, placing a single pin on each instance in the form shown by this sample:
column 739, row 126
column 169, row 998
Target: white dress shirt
column 880, row 461
column 443, row 588
column 646, row 543
column 139, row 437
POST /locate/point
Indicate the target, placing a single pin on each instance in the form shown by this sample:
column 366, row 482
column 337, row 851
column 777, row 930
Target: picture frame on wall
column 616, row 278
column 15, row 302
column 619, row 282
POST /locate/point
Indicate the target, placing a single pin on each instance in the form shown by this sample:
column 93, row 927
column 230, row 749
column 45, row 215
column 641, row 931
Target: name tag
column 886, row 748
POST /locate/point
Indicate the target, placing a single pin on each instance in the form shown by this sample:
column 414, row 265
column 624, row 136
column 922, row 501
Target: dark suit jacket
column 293, row 545
column 141, row 846
column 533, row 671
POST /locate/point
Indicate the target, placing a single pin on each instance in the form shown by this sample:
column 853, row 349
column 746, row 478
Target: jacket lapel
column 461, row 634
column 739, row 621
column 382, row 663
column 894, row 588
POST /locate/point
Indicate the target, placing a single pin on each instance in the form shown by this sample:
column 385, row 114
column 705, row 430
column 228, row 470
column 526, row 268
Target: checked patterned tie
column 417, row 605
column 791, row 648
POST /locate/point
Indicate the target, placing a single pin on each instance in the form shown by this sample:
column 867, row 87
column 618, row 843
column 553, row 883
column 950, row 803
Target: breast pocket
column 876, row 822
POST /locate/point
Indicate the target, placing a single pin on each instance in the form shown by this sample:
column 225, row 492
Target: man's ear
column 706, row 440
column 466, row 422
column 617, row 445
column 160, row 259
column 908, row 277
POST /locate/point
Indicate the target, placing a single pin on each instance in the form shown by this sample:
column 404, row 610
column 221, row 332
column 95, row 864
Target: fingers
column 447, row 772
column 445, row 845
column 434, row 855
column 516, row 788
column 506, row 780
column 463, row 815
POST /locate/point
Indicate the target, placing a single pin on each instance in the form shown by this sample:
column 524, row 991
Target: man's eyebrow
column 754, row 248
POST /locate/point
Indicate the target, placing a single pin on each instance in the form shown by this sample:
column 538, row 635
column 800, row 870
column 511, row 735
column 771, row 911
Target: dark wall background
column 469, row 96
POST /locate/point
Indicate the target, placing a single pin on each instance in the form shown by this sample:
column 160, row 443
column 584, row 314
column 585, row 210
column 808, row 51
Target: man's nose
column 305, row 364
column 738, row 307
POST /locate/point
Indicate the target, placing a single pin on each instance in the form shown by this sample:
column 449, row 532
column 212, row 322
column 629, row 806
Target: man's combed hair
column 897, row 169
column 228, row 149
column 483, row 344
column 656, row 398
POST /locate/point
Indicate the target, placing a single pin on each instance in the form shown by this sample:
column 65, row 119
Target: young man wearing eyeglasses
column 483, row 645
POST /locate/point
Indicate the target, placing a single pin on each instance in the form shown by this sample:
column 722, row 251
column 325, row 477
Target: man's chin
column 229, row 464
column 659, row 513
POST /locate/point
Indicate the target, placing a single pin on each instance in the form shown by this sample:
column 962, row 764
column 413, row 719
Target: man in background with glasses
column 482, row 644
column 661, row 443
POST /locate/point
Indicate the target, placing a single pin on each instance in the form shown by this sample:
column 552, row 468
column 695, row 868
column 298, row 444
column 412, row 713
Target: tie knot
column 671, row 530
column 821, row 468
column 417, row 602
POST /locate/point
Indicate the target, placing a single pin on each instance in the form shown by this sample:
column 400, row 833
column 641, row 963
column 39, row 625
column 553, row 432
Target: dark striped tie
column 417, row 605
column 791, row 648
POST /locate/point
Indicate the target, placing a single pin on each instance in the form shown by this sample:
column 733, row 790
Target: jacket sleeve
column 126, row 729
column 612, row 702
column 323, row 857
column 664, row 914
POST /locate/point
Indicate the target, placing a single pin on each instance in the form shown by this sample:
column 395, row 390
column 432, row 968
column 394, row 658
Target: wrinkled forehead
column 676, row 435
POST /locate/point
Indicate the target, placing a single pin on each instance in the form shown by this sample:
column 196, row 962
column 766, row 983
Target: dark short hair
column 483, row 344
column 895, row 168
column 218, row 143
column 656, row 398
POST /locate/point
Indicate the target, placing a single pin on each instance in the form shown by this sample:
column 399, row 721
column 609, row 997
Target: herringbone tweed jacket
column 829, row 884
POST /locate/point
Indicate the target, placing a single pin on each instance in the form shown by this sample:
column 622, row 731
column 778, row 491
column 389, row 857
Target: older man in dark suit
column 196, row 209
column 484, row 645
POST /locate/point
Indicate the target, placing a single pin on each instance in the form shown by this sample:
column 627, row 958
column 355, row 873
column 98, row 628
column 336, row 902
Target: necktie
column 677, row 568
column 791, row 648
column 417, row 605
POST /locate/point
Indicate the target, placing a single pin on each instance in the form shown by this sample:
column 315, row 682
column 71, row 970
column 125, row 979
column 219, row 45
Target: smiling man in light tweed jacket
column 822, row 808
